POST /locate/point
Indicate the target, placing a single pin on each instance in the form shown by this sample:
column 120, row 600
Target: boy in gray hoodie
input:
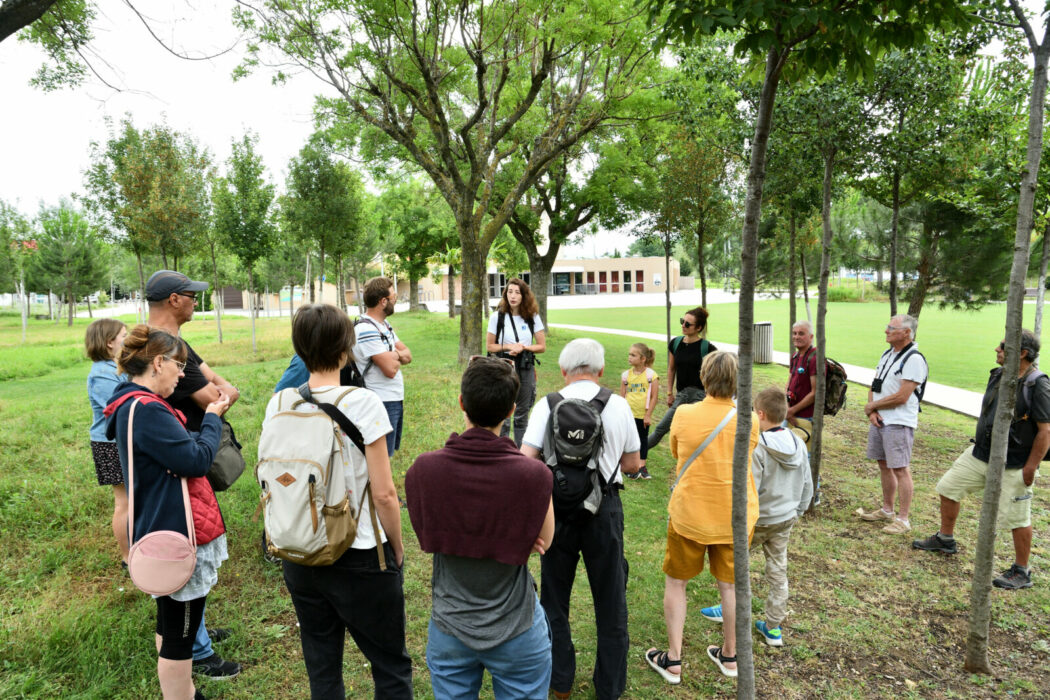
column 780, row 464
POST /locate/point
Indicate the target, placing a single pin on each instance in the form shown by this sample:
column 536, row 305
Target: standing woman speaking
column 516, row 332
column 685, row 354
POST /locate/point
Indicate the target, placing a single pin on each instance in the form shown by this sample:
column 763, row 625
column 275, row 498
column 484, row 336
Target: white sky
column 45, row 137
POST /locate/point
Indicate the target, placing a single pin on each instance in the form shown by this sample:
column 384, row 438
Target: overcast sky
column 45, row 137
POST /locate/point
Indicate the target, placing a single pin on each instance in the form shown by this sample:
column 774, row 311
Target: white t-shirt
column 512, row 322
column 620, row 436
column 366, row 411
column 915, row 370
column 374, row 337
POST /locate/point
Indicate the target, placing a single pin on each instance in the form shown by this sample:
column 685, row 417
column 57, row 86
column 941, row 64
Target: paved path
column 949, row 397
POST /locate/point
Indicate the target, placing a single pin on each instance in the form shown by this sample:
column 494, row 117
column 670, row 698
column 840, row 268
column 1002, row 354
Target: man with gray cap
column 172, row 297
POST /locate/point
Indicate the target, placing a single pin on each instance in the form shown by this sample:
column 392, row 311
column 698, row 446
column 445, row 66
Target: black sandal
column 715, row 654
column 659, row 662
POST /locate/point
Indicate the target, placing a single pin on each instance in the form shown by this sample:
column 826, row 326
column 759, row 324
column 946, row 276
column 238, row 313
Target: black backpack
column 351, row 375
column 1026, row 396
column 571, row 445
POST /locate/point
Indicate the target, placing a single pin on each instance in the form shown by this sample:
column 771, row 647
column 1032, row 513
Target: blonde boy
column 780, row 465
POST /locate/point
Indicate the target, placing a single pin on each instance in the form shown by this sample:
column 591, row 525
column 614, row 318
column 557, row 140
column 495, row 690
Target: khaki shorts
column 968, row 474
column 892, row 444
column 684, row 558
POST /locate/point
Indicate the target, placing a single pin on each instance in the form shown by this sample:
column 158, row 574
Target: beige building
column 593, row 276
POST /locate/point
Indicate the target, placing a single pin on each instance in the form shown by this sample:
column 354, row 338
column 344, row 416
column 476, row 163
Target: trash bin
column 763, row 342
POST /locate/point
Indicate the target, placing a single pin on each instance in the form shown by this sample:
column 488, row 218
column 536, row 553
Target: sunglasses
column 507, row 361
column 188, row 296
column 1002, row 346
column 685, row 323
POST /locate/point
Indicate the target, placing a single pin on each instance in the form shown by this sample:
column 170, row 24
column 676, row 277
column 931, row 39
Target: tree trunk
column 893, row 240
column 164, row 258
column 816, row 439
column 539, row 265
column 50, row 310
column 413, row 293
column 541, row 276
column 472, row 276
column 805, row 286
column 925, row 272
column 700, row 261
column 25, row 304
column 792, row 283
column 72, row 305
column 217, row 294
column 451, row 277
column 320, row 267
column 981, row 587
column 308, row 281
column 90, row 315
column 745, row 687
column 251, row 304
column 1041, row 293
column 667, row 284
column 142, row 289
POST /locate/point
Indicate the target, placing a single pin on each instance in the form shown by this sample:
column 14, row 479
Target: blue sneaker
column 713, row 613
column 773, row 636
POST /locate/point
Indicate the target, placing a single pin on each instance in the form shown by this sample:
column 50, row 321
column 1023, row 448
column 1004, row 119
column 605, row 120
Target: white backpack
column 308, row 517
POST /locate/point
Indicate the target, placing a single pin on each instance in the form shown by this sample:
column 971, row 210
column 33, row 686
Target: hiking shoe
column 713, row 613
column 773, row 636
column 216, row 668
column 643, row 473
column 635, row 476
column 936, row 543
column 658, row 661
column 1013, row 578
column 874, row 515
column 897, row 527
column 218, row 634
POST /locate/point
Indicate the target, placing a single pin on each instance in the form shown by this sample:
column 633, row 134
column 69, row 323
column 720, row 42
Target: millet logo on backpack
column 575, row 434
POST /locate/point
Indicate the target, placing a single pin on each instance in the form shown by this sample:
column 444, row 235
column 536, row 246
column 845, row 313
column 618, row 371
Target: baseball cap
column 164, row 283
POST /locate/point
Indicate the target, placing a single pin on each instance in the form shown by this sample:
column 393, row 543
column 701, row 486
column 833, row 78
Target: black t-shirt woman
column 685, row 354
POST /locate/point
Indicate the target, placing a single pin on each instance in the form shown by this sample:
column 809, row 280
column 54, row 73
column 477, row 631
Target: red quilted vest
column 207, row 518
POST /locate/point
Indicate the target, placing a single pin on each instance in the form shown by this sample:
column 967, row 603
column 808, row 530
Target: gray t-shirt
column 481, row 602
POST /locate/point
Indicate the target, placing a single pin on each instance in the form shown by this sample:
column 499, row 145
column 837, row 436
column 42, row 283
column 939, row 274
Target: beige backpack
column 307, row 514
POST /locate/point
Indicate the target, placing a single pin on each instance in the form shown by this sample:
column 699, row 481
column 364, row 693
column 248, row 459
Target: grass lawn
column 870, row 618
column 959, row 345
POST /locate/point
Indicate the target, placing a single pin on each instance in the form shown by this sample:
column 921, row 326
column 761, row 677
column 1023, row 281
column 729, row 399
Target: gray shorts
column 891, row 443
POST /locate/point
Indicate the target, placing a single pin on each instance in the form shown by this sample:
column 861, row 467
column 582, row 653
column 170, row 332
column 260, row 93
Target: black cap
column 164, row 283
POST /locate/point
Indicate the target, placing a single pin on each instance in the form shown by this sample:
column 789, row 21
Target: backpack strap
column 532, row 328
column 703, row 445
column 601, row 399
column 1026, row 388
column 499, row 325
column 705, row 347
column 675, row 342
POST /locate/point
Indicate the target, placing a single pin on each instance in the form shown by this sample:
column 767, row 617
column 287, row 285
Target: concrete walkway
column 958, row 400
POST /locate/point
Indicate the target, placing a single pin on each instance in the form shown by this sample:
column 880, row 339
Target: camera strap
column 889, row 365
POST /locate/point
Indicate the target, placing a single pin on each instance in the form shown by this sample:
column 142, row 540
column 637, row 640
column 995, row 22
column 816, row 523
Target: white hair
column 803, row 324
column 582, row 356
column 909, row 322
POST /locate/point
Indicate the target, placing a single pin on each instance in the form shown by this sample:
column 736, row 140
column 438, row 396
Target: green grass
column 959, row 345
column 867, row 613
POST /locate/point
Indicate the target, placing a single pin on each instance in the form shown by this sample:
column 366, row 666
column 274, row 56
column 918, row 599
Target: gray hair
column 1030, row 343
column 909, row 322
column 582, row 356
column 803, row 324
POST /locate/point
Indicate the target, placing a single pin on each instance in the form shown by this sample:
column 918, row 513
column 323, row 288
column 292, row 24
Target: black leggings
column 177, row 625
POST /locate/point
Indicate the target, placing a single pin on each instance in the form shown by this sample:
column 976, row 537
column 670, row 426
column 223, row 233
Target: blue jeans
column 395, row 411
column 202, row 643
column 520, row 667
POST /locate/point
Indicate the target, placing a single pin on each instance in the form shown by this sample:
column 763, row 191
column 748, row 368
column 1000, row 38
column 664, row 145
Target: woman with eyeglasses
column 685, row 354
column 163, row 452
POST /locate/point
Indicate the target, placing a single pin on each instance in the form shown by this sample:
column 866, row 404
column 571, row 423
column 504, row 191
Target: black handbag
column 228, row 464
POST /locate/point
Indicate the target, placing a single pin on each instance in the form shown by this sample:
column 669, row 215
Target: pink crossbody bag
column 161, row 562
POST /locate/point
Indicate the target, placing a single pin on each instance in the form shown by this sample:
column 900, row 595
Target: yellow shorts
column 968, row 474
column 684, row 558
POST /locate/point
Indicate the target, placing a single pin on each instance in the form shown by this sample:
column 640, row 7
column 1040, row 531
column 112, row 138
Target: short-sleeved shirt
column 620, row 436
column 512, row 324
column 687, row 360
column 375, row 337
column 192, row 381
column 366, row 411
column 892, row 374
column 803, row 368
column 1022, row 430
column 639, row 389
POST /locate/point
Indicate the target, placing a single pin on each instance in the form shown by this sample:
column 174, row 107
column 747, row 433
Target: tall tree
column 243, row 199
column 69, row 254
column 981, row 587
column 149, row 191
column 17, row 237
column 455, row 84
column 821, row 37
